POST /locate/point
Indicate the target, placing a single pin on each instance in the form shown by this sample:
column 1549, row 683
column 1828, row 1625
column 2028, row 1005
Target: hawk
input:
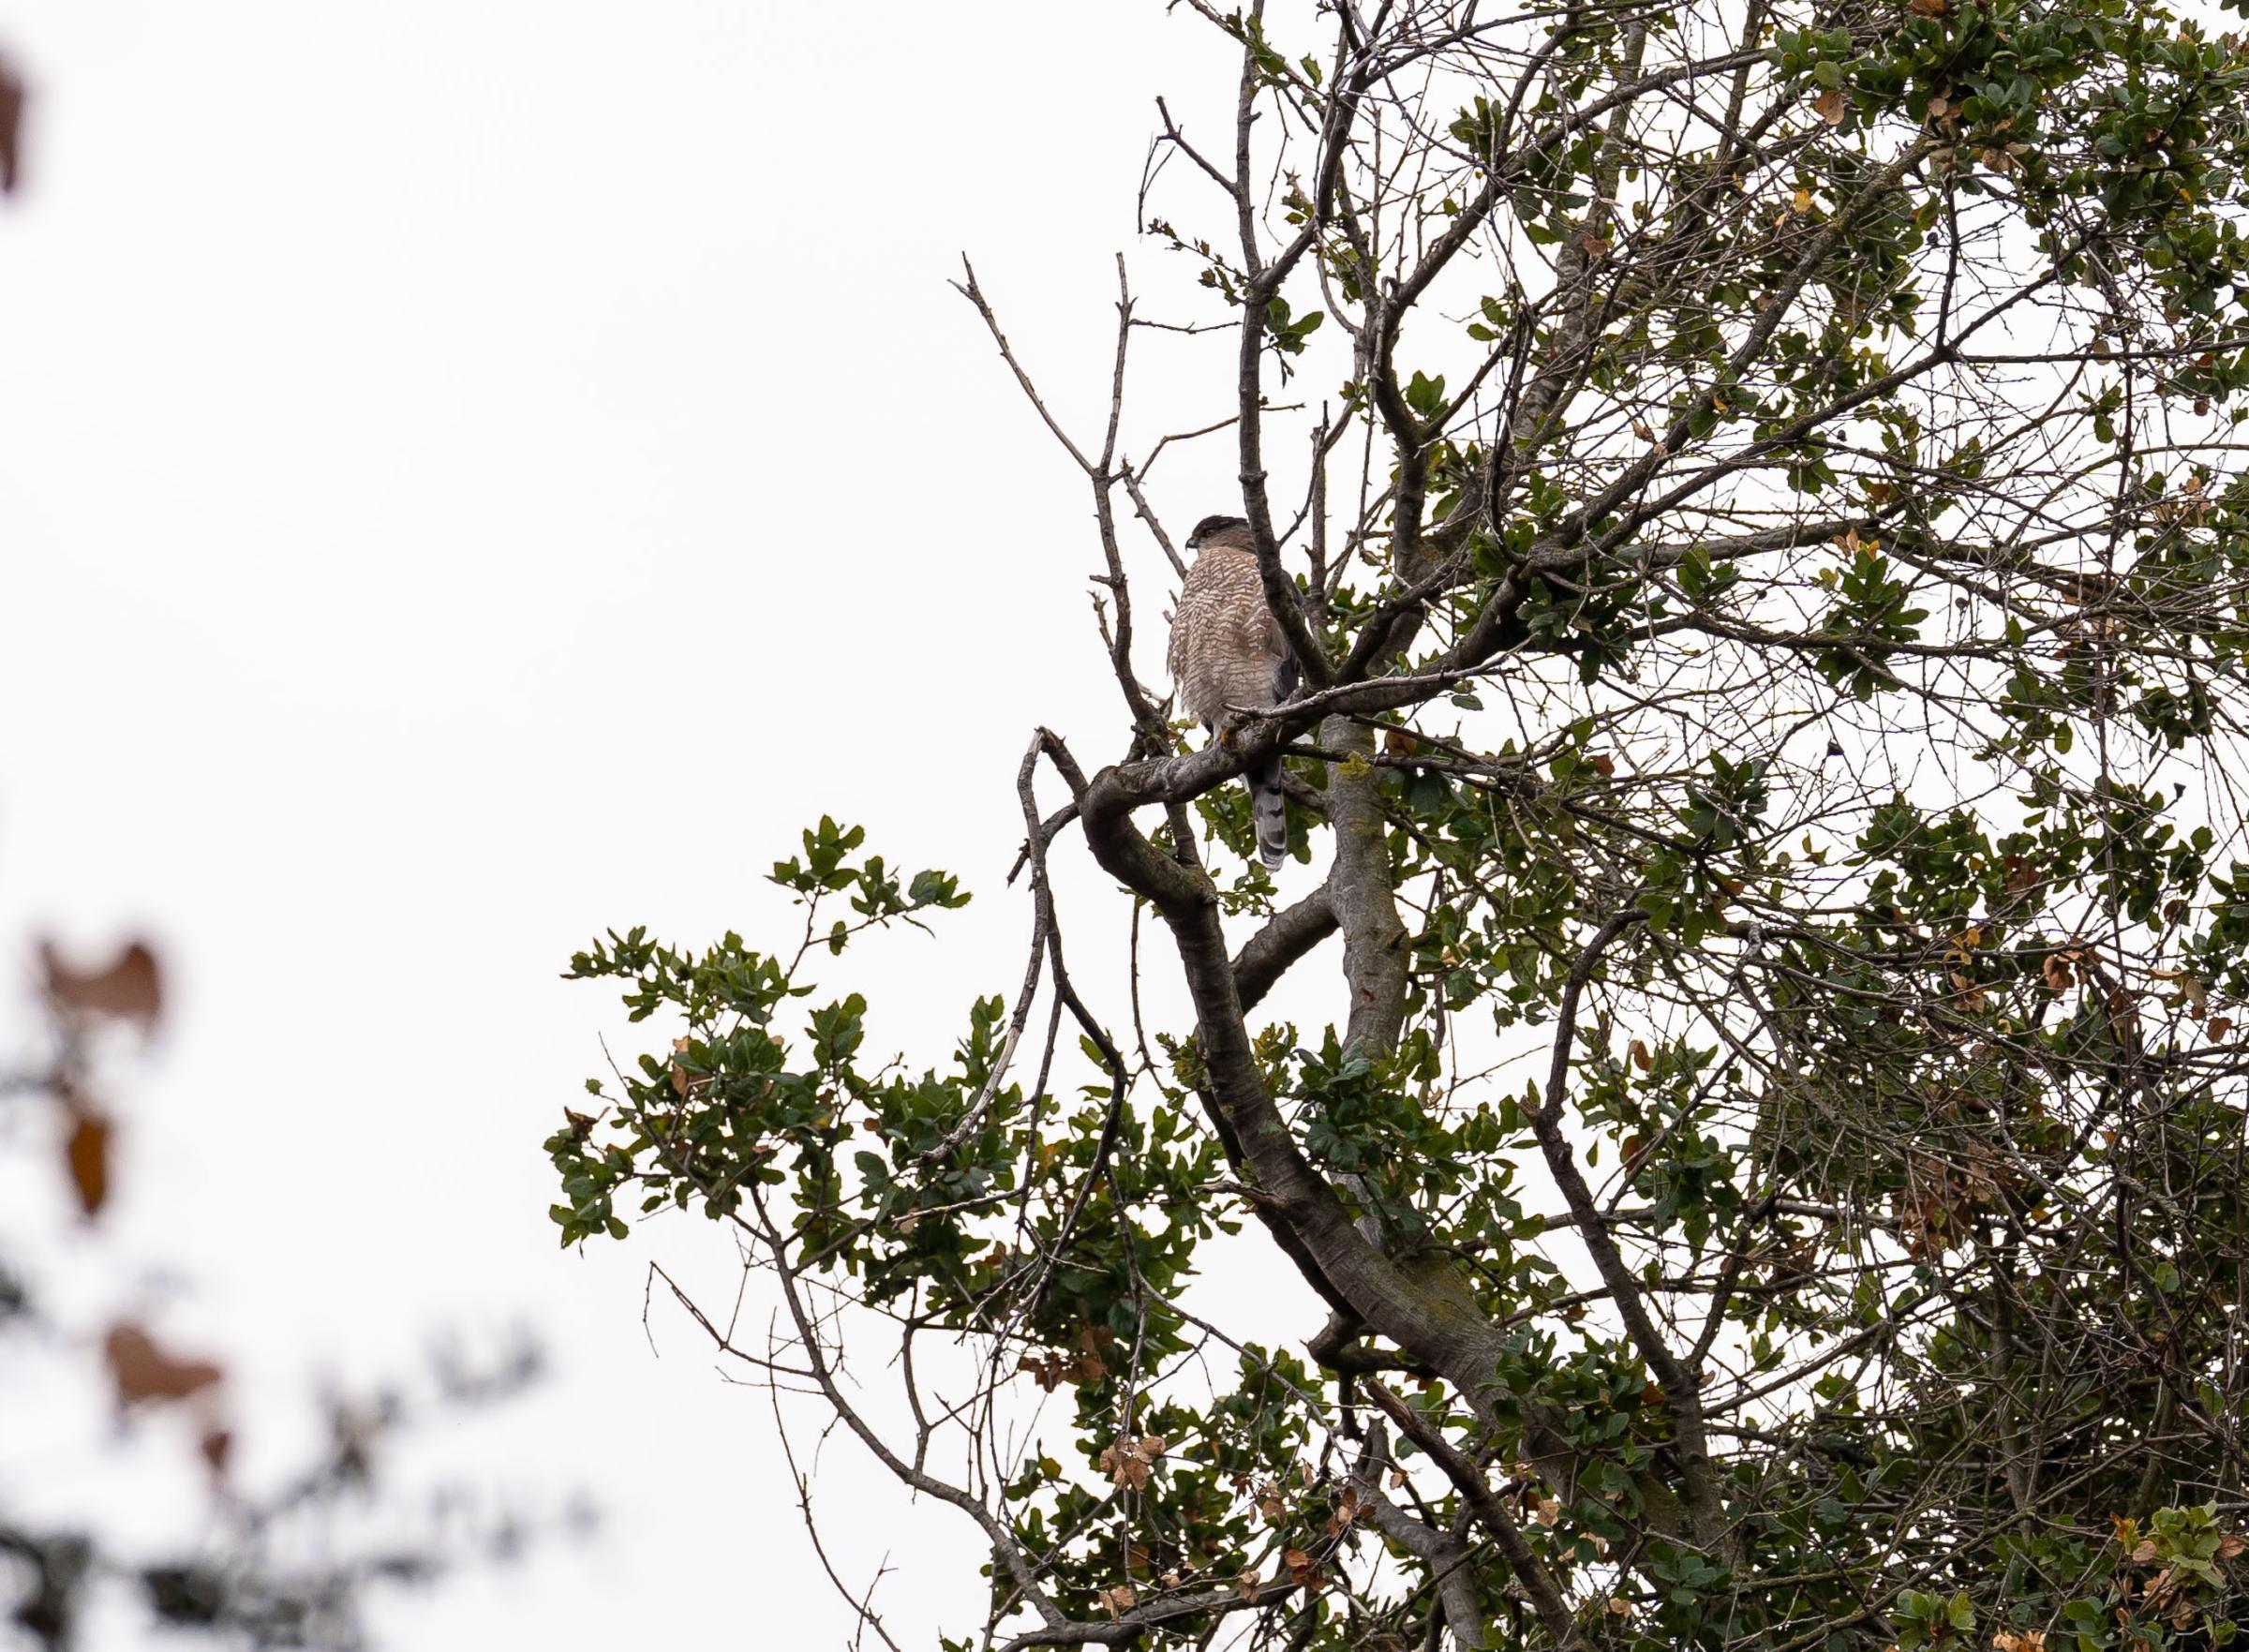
column 1226, row 652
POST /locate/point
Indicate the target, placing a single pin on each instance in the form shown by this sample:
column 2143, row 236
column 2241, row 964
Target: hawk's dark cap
column 1212, row 524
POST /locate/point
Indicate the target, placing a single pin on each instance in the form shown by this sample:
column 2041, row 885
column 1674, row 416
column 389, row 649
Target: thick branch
column 1287, row 935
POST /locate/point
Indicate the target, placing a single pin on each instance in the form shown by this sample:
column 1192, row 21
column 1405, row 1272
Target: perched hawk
column 1226, row 652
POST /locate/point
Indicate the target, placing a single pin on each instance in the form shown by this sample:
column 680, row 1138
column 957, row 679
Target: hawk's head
column 1224, row 530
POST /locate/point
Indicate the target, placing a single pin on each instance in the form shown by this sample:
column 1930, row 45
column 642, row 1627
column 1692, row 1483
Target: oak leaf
column 88, row 1155
column 1128, row 1463
column 145, row 1373
column 11, row 128
column 130, row 989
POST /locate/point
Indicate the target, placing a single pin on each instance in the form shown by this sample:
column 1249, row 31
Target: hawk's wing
column 1175, row 652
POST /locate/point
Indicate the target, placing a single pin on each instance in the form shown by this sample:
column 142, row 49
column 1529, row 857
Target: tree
column 1768, row 592
column 278, row 1563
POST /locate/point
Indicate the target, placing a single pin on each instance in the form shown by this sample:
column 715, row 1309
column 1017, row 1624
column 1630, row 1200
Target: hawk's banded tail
column 1269, row 812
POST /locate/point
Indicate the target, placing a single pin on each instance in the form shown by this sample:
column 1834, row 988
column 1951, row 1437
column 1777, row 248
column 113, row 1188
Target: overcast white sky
column 472, row 473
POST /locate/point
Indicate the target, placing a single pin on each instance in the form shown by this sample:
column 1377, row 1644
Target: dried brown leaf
column 1128, row 1462
column 1348, row 1508
column 87, row 1153
column 11, row 128
column 144, row 1372
column 131, row 988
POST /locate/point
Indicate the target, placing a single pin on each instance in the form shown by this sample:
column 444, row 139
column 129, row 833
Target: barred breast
column 1226, row 649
